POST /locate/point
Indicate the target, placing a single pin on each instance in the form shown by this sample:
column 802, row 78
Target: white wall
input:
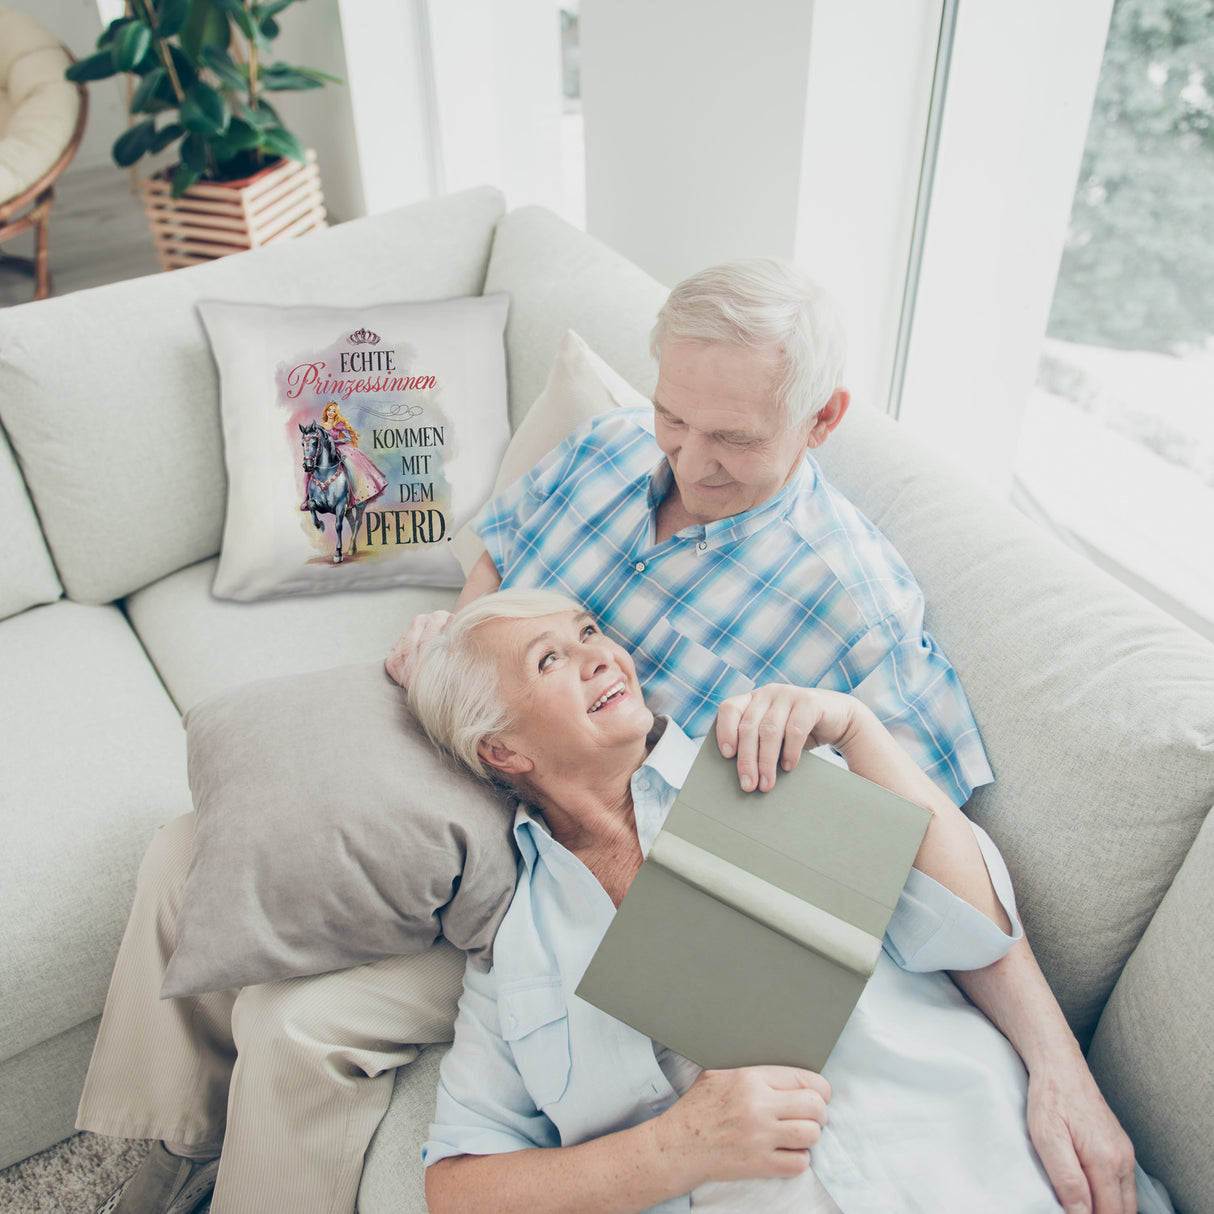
column 775, row 128
column 695, row 121
column 870, row 83
column 497, row 69
column 386, row 53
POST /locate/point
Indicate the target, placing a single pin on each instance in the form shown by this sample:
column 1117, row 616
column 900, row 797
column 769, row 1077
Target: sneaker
column 164, row 1184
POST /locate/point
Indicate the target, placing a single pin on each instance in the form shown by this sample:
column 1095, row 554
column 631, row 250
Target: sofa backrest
column 111, row 396
column 29, row 578
column 559, row 278
column 1095, row 708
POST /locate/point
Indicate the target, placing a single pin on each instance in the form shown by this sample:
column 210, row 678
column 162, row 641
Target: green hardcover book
column 757, row 918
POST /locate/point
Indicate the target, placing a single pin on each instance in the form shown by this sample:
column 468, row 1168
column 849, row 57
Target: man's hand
column 1086, row 1154
column 400, row 661
column 770, row 727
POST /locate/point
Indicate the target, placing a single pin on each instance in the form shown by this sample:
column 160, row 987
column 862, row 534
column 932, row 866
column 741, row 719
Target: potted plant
column 201, row 71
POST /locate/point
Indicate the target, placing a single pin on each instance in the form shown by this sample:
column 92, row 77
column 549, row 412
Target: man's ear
column 829, row 416
column 501, row 758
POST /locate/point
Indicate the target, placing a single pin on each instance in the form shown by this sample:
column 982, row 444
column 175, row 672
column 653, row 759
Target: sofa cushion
column 29, row 578
column 1152, row 1054
column 393, row 1179
column 201, row 645
column 127, row 495
column 408, row 401
column 558, row 279
column 1097, row 711
column 94, row 760
column 328, row 833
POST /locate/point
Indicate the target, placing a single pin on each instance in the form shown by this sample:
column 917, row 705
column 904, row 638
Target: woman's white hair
column 763, row 303
column 454, row 691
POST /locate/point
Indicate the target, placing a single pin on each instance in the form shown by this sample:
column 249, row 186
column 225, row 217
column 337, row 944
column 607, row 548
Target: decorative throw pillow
column 580, row 386
column 329, row 832
column 357, row 440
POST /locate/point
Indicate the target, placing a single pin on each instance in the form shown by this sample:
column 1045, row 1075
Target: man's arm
column 1087, row 1155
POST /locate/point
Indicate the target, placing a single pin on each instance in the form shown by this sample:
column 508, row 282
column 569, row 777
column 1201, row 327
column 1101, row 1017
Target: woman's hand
column 402, row 659
column 772, row 725
column 755, row 1121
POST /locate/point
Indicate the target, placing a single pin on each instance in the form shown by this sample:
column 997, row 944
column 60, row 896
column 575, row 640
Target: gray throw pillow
column 330, row 833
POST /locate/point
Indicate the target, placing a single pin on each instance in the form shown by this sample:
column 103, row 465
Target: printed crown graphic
column 363, row 337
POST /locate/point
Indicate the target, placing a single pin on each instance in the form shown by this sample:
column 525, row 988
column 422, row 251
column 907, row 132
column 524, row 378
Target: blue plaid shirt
column 802, row 589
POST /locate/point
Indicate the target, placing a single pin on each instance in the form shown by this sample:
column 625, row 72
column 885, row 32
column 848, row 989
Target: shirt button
column 639, row 566
column 702, row 545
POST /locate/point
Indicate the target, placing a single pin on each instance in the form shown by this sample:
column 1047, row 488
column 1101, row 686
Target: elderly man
column 704, row 538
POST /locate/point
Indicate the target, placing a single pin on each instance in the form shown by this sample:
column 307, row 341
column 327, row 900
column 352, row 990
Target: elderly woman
column 547, row 1103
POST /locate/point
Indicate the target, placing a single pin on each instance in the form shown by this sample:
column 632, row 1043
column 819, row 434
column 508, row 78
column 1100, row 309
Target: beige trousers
column 293, row 1076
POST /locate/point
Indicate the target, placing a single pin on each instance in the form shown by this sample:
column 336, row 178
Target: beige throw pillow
column 580, row 386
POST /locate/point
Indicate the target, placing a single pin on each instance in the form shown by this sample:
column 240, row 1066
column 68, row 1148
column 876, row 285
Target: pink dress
column 369, row 482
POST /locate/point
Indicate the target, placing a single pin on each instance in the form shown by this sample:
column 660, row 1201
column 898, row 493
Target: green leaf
column 241, row 137
column 106, row 38
column 183, row 178
column 171, row 16
column 205, row 26
column 319, row 75
column 132, row 144
column 262, row 118
column 194, row 153
column 281, row 142
column 95, row 67
column 144, row 98
column 280, row 77
column 271, row 9
column 269, row 29
column 238, row 13
column 130, row 45
column 225, row 67
column 166, row 135
column 203, row 111
column 187, row 73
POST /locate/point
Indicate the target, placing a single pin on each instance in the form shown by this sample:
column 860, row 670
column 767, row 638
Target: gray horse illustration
column 330, row 487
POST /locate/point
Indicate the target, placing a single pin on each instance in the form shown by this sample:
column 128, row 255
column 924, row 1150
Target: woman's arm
column 769, row 727
column 730, row 1125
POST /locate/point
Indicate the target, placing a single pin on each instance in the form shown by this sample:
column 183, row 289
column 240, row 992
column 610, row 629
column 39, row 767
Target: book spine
column 802, row 922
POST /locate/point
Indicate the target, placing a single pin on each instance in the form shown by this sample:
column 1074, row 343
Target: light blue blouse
column 928, row 1104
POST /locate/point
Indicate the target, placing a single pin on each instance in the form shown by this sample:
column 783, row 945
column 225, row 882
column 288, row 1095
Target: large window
column 1117, row 444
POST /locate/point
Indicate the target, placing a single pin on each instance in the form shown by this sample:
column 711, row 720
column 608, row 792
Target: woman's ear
column 494, row 753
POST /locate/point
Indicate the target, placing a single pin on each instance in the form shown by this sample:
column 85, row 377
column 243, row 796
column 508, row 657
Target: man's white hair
column 763, row 303
column 454, row 691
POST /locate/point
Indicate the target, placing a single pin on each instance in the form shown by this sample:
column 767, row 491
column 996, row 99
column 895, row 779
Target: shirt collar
column 737, row 526
column 655, row 784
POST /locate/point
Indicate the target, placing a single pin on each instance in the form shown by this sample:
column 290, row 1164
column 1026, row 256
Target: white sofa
column 1097, row 711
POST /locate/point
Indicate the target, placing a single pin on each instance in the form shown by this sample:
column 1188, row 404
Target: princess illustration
column 367, row 482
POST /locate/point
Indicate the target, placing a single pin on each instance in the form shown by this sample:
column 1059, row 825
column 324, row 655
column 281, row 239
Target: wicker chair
column 42, row 118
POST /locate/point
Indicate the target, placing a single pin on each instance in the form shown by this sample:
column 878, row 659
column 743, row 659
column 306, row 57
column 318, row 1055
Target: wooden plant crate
column 215, row 218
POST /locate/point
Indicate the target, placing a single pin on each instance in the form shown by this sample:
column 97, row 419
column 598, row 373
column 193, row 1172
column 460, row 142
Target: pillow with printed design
column 358, row 441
